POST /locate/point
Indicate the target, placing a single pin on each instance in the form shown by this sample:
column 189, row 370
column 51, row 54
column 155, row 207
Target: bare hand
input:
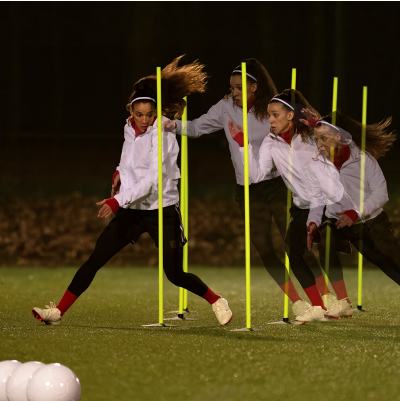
column 233, row 130
column 312, row 230
column 309, row 116
column 344, row 221
column 105, row 211
column 169, row 126
column 115, row 186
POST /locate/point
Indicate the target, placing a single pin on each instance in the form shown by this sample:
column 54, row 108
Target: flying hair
column 176, row 83
column 266, row 88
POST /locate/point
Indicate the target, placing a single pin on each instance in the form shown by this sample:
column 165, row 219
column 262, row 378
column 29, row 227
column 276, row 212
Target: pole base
column 246, row 329
column 159, row 325
column 360, row 309
column 185, row 310
column 180, row 317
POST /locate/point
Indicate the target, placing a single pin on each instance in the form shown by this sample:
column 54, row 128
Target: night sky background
column 67, row 70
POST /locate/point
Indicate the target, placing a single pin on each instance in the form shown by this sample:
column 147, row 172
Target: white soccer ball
column 18, row 381
column 54, row 382
column 6, row 368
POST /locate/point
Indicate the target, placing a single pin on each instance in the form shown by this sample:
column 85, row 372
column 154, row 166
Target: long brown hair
column 266, row 88
column 176, row 83
column 298, row 102
column 378, row 139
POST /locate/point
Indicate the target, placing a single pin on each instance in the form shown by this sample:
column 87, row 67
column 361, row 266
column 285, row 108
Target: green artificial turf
column 102, row 340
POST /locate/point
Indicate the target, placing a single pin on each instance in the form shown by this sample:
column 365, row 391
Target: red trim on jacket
column 115, row 174
column 239, row 138
column 249, row 103
column 342, row 156
column 286, row 136
column 113, row 204
column 309, row 226
column 137, row 130
column 352, row 214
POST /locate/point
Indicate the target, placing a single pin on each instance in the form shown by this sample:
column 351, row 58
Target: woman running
column 372, row 234
column 285, row 150
column 268, row 194
column 135, row 205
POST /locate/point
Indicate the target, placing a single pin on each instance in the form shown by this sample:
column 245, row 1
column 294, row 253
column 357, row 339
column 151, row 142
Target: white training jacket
column 375, row 188
column 138, row 169
column 217, row 118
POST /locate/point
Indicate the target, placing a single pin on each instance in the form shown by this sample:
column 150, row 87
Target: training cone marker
column 6, row 369
column 54, row 382
column 160, row 214
column 18, row 381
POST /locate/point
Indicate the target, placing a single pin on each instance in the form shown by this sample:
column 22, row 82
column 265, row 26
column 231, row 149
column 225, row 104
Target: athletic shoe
column 222, row 311
column 313, row 313
column 339, row 309
column 51, row 315
column 299, row 308
column 330, row 300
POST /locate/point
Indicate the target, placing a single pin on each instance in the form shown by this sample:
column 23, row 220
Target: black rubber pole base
column 286, row 319
column 359, row 307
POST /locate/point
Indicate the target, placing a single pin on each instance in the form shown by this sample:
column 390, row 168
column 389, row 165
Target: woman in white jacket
column 286, row 149
column 371, row 233
column 135, row 204
column 268, row 194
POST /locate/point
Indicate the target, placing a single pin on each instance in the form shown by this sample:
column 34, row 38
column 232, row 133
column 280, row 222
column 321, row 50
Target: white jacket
column 217, row 118
column 292, row 162
column 138, row 169
column 375, row 189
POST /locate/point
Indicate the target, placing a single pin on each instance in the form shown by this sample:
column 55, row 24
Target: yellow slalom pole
column 332, row 155
column 289, row 203
column 160, row 202
column 246, row 195
column 184, row 203
column 362, row 178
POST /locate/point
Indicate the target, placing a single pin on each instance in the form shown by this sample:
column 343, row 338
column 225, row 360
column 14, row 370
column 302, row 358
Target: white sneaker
column 330, row 300
column 51, row 315
column 222, row 311
column 299, row 308
column 339, row 309
column 313, row 313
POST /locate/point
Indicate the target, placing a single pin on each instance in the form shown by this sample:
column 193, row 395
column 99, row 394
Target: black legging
column 109, row 244
column 268, row 199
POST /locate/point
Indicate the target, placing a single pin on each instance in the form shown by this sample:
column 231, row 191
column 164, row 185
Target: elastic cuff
column 352, row 214
column 239, row 139
column 309, row 226
column 311, row 122
column 113, row 203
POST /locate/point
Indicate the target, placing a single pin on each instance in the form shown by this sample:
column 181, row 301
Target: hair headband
column 333, row 126
column 251, row 76
column 280, row 100
column 143, row 98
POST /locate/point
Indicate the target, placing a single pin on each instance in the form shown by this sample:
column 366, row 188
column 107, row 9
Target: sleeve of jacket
column 128, row 138
column 377, row 184
column 317, row 199
column 206, row 124
column 149, row 184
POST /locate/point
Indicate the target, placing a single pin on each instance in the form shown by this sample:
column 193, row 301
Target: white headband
column 333, row 126
column 143, row 98
column 280, row 100
column 251, row 76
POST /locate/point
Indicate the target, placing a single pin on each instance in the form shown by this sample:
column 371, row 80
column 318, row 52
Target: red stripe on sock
column 66, row 302
column 340, row 289
column 210, row 296
column 314, row 295
column 290, row 290
column 322, row 286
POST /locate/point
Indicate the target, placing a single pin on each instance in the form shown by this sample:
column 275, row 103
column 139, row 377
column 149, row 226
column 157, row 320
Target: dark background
column 67, row 70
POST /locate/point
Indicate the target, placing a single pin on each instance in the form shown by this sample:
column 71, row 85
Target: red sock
column 340, row 289
column 314, row 295
column 322, row 285
column 210, row 296
column 291, row 291
column 67, row 300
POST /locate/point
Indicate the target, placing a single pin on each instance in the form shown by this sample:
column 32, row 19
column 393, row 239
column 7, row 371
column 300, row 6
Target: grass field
column 102, row 340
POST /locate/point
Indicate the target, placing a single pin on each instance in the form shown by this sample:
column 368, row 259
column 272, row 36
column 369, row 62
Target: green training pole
column 289, row 203
column 246, row 195
column 160, row 203
column 362, row 178
column 332, row 155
